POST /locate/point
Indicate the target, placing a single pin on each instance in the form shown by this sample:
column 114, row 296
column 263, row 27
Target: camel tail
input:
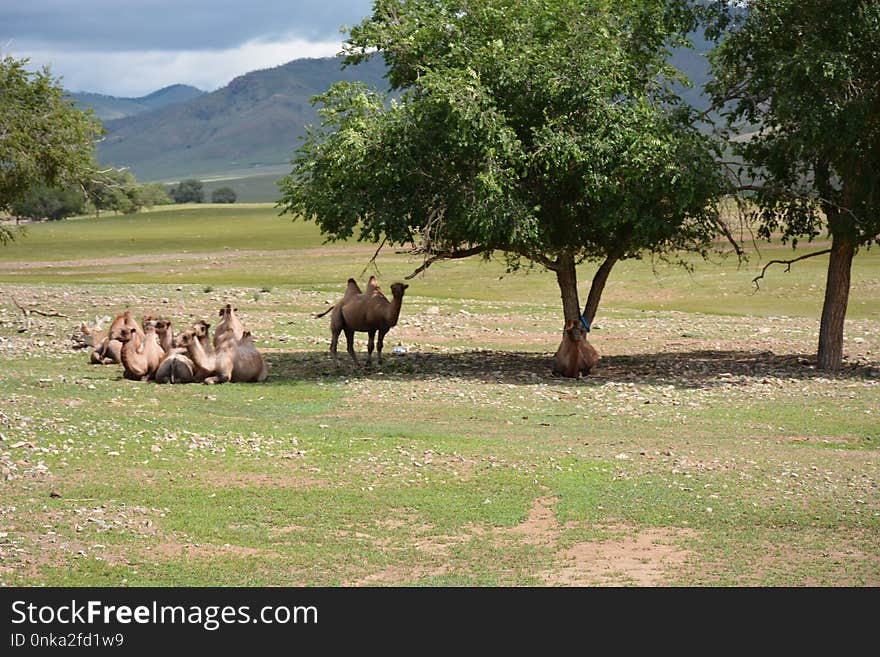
column 325, row 312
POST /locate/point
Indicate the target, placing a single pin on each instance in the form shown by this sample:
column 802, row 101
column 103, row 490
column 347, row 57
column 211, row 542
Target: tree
column 118, row 190
column 188, row 191
column 807, row 72
column 42, row 202
column 223, row 195
column 545, row 130
column 151, row 194
column 44, row 138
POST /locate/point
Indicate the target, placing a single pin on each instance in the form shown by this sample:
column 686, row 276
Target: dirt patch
column 397, row 575
column 642, row 560
column 541, row 525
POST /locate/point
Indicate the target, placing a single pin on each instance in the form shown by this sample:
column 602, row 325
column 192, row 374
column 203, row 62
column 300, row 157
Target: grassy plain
column 705, row 450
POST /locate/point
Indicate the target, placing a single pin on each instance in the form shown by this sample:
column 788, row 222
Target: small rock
column 54, row 493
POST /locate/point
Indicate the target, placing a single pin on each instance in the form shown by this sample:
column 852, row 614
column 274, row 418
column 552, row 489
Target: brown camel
column 371, row 312
column 110, row 349
column 165, row 331
column 575, row 356
column 177, row 366
column 88, row 337
column 140, row 355
column 229, row 322
column 233, row 360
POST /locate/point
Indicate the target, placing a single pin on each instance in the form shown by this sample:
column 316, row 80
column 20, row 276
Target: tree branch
column 787, row 263
column 372, row 261
column 447, row 255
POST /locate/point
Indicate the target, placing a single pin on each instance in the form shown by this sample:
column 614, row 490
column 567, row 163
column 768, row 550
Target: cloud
column 136, row 73
column 134, row 47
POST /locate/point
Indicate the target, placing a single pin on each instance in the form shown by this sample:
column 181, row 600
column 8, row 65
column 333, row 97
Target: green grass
column 705, row 447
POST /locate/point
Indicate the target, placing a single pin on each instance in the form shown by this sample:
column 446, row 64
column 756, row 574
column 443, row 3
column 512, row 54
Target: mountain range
column 112, row 107
column 251, row 125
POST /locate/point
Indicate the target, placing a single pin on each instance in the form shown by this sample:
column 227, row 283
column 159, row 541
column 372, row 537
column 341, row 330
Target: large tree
column 543, row 129
column 44, row 138
column 806, row 73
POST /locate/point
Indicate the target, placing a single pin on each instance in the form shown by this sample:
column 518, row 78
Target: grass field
column 705, row 450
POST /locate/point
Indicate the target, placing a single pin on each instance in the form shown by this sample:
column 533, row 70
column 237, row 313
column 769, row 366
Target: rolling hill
column 112, row 107
column 251, row 123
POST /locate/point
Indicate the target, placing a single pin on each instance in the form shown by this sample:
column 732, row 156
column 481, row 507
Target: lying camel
column 140, row 356
column 229, row 323
column 110, row 349
column 575, row 356
column 370, row 312
column 233, row 360
column 88, row 337
column 165, row 331
column 177, row 366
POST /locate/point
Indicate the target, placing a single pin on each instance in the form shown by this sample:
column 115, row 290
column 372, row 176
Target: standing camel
column 371, row 313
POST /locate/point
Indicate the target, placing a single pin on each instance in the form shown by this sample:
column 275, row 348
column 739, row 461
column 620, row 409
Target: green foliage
column 188, row 191
column 117, row 190
column 540, row 129
column 44, row 138
column 44, row 202
column 223, row 195
column 807, row 73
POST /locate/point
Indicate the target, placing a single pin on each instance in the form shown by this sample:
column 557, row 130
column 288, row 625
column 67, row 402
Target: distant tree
column 546, row 130
column 42, row 202
column 223, row 195
column 188, row 191
column 111, row 190
column 151, row 194
column 44, row 138
column 807, row 72
column 118, row 190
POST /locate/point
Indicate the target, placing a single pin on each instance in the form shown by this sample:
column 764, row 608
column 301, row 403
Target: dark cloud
column 111, row 25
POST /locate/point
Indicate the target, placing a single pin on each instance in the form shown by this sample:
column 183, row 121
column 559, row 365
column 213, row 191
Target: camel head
column 227, row 310
column 125, row 334
column 247, row 336
column 575, row 331
column 397, row 290
column 163, row 326
column 201, row 328
column 148, row 321
column 186, row 338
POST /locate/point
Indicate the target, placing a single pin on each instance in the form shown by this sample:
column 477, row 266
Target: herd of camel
column 150, row 351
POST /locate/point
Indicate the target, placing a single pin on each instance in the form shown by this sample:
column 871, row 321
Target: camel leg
column 382, row 333
column 349, row 339
column 370, row 343
column 334, row 342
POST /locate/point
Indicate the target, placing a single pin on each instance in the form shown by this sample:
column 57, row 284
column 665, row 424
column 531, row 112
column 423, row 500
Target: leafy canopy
column 534, row 127
column 44, row 138
column 807, row 72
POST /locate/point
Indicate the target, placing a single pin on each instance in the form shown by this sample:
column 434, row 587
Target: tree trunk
column 598, row 285
column 834, row 309
column 566, row 277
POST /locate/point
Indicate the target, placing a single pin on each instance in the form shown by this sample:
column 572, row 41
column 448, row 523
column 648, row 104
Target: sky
column 130, row 48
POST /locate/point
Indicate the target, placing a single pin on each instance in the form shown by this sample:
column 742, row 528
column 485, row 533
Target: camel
column 352, row 290
column 369, row 312
column 228, row 323
column 233, row 360
column 88, row 337
column 177, row 366
column 575, row 356
column 140, row 356
column 110, row 349
column 165, row 331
